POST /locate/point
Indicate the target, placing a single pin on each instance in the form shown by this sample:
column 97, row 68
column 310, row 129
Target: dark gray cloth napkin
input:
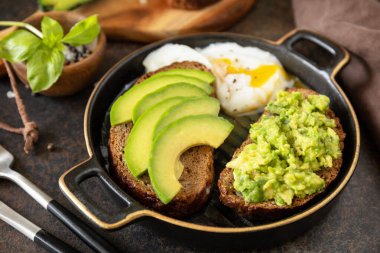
column 354, row 24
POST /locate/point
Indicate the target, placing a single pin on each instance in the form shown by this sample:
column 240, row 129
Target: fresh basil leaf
column 18, row 46
column 52, row 31
column 44, row 68
column 83, row 32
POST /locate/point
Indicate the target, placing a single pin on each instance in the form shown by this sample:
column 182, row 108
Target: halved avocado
column 121, row 110
column 176, row 138
column 197, row 106
column 174, row 90
column 199, row 74
column 138, row 145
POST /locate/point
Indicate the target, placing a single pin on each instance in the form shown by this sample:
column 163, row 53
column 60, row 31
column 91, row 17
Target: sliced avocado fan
column 139, row 143
column 122, row 108
column 174, row 90
column 176, row 138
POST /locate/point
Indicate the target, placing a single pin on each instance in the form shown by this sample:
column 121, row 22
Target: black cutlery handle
column 82, row 230
column 52, row 243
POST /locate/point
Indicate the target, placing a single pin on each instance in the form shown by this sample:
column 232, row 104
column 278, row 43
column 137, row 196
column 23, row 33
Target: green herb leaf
column 18, row 46
column 52, row 32
column 60, row 5
column 44, row 68
column 83, row 32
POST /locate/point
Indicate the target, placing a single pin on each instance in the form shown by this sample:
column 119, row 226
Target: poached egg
column 247, row 78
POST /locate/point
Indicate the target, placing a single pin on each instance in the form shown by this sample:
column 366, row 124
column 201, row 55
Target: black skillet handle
column 70, row 185
column 339, row 55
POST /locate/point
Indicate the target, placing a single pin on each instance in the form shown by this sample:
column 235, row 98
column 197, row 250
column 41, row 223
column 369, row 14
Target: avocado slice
column 199, row 74
column 60, row 5
column 199, row 106
column 176, row 138
column 139, row 143
column 121, row 110
column 174, row 90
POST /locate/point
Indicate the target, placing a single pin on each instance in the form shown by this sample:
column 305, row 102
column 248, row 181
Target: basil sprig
column 44, row 57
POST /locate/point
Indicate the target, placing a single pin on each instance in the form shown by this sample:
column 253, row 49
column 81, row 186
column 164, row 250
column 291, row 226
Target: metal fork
column 77, row 226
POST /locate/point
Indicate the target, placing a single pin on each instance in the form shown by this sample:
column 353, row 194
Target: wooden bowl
column 76, row 76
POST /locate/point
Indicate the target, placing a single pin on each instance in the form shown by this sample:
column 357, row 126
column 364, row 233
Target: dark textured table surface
column 353, row 225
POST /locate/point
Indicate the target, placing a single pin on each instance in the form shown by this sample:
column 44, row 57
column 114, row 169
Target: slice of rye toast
column 268, row 210
column 196, row 179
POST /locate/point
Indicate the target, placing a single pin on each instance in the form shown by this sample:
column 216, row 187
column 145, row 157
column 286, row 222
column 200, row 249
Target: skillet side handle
column 70, row 182
column 340, row 56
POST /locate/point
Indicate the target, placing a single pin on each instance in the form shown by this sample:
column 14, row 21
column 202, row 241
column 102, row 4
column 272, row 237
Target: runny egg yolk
column 259, row 76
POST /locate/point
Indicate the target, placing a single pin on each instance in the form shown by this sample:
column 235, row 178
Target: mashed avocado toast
column 291, row 155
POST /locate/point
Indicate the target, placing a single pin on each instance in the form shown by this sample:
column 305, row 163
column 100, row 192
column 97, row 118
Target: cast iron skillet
column 215, row 224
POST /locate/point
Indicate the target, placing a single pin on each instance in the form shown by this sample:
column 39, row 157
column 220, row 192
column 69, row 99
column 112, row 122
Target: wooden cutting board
column 133, row 20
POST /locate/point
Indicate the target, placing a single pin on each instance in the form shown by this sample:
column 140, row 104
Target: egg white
column 171, row 53
column 234, row 90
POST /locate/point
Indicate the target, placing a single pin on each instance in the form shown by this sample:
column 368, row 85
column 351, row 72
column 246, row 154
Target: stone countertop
column 353, row 225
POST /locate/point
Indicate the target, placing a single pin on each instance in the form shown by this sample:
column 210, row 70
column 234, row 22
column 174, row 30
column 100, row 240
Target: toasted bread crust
column 269, row 210
column 196, row 179
column 176, row 65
